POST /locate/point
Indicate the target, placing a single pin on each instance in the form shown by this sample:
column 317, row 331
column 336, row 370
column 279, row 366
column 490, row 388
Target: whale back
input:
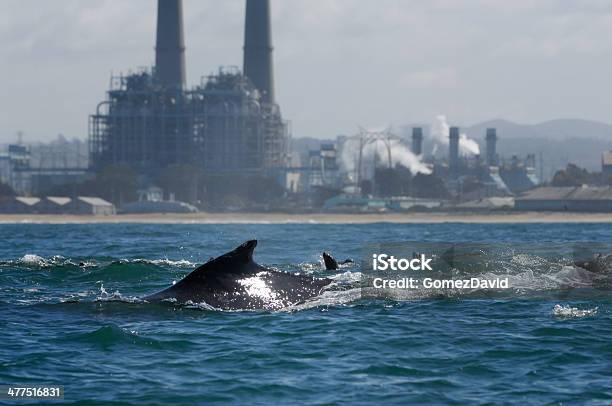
column 235, row 262
column 234, row 281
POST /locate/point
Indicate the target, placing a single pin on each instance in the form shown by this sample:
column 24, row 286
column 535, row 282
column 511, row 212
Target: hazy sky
column 339, row 63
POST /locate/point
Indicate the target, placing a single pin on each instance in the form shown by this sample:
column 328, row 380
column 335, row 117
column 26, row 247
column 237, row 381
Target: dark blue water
column 69, row 315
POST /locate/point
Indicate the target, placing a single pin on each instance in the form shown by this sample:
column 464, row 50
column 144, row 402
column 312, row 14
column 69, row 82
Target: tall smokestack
column 453, row 152
column 417, row 140
column 258, row 48
column 170, row 45
column 491, row 147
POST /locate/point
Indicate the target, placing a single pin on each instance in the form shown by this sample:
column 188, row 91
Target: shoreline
column 313, row 218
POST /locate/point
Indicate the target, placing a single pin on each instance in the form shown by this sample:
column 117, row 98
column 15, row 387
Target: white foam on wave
column 309, row 267
column 116, row 296
column 573, row 312
column 33, row 259
column 180, row 263
column 327, row 298
column 347, row 277
column 76, row 297
column 200, row 306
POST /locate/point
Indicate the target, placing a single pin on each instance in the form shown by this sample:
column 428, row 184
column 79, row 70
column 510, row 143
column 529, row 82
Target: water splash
column 116, row 296
column 33, row 259
column 573, row 312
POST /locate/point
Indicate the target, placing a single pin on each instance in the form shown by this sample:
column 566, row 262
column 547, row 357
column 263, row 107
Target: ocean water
column 70, row 315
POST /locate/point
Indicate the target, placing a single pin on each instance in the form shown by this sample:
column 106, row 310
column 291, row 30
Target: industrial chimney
column 453, row 152
column 491, row 147
column 258, row 48
column 417, row 140
column 170, row 45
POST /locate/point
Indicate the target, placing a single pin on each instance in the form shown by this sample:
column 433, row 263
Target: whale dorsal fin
column 244, row 251
column 242, row 254
column 231, row 262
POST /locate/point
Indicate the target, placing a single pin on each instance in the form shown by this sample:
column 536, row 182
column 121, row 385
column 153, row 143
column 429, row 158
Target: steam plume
column 377, row 150
column 439, row 135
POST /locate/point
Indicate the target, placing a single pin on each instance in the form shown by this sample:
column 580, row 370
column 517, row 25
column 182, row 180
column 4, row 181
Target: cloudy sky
column 339, row 63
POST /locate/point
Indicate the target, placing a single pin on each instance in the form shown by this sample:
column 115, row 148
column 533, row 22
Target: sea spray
column 573, row 312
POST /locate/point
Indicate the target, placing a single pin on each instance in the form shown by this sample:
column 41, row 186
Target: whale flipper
column 234, row 281
column 330, row 262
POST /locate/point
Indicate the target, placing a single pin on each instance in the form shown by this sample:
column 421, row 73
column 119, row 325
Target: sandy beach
column 323, row 218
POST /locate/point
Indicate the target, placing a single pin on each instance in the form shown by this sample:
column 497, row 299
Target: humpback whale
column 331, row 264
column 234, row 281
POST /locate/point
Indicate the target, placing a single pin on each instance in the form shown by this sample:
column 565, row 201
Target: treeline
column 6, row 190
column 573, row 175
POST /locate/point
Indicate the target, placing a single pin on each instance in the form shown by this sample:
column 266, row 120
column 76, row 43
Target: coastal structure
column 580, row 198
column 92, row 205
column 57, row 205
column 15, row 168
column 19, row 205
column 476, row 177
column 519, row 174
column 151, row 200
column 229, row 122
column 54, row 205
column 385, row 170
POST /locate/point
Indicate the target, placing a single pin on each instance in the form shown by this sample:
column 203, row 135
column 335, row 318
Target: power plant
column 223, row 144
column 229, row 123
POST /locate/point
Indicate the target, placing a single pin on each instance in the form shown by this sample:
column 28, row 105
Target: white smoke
column 400, row 154
column 439, row 135
column 377, row 151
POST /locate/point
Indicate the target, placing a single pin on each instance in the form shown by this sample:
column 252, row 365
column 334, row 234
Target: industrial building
column 19, row 205
column 151, row 200
column 519, row 174
column 57, row 205
column 18, row 172
column 230, row 122
column 14, row 168
column 320, row 171
column 581, row 198
column 453, row 177
column 475, row 178
column 54, row 205
column 92, row 205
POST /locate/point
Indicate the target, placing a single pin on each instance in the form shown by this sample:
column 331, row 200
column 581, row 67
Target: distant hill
column 559, row 129
column 556, row 142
